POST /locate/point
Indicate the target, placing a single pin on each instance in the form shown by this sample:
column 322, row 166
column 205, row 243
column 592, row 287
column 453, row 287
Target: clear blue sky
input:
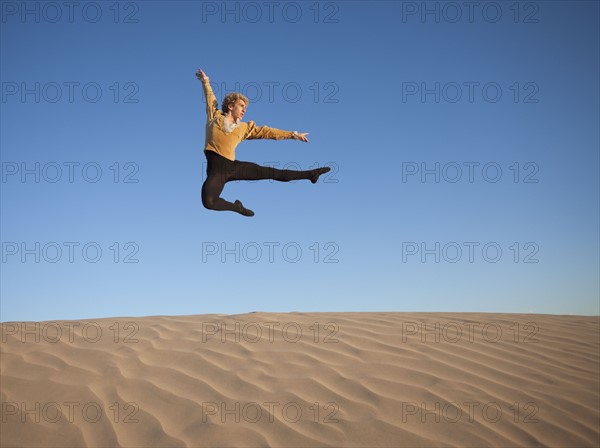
column 464, row 142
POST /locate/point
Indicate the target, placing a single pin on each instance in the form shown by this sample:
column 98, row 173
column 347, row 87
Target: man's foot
column 317, row 172
column 243, row 210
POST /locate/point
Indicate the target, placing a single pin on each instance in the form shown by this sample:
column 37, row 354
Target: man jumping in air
column 224, row 131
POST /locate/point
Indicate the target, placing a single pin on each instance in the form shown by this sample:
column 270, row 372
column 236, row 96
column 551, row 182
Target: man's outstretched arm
column 212, row 105
column 266, row 132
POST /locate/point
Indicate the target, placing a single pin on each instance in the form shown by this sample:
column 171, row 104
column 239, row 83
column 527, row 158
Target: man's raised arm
column 212, row 105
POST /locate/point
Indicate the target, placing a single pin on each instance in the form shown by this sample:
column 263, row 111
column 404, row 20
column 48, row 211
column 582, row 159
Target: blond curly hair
column 230, row 99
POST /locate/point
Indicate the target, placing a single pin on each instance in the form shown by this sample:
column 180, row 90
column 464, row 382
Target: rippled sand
column 303, row 379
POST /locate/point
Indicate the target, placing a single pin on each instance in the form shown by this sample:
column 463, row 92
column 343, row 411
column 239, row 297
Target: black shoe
column 317, row 172
column 243, row 210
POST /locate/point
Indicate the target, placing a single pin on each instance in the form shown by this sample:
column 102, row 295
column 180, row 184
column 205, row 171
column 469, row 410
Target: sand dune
column 303, row 379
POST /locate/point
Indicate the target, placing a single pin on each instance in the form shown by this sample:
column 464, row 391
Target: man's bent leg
column 211, row 192
column 211, row 199
column 219, row 172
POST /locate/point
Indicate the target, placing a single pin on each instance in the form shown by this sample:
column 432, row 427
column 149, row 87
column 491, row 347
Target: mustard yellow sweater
column 224, row 143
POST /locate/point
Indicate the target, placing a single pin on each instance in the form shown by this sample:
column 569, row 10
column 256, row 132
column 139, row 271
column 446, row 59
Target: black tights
column 221, row 170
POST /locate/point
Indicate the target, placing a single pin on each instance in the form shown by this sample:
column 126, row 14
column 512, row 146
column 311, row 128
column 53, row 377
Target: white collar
column 230, row 126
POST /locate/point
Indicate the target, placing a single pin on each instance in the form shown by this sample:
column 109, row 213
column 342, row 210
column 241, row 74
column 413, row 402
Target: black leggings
column 221, row 170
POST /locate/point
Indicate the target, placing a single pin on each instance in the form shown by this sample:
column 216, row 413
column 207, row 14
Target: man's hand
column 301, row 137
column 200, row 75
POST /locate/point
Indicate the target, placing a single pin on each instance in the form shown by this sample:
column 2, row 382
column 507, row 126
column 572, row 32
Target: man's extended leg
column 252, row 171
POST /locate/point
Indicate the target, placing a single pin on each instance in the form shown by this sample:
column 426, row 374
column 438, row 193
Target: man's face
column 238, row 110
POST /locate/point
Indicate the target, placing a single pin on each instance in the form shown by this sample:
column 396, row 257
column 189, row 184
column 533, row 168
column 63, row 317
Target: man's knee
column 209, row 202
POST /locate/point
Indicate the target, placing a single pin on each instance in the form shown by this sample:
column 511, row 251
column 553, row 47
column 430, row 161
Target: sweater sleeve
column 212, row 106
column 255, row 132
